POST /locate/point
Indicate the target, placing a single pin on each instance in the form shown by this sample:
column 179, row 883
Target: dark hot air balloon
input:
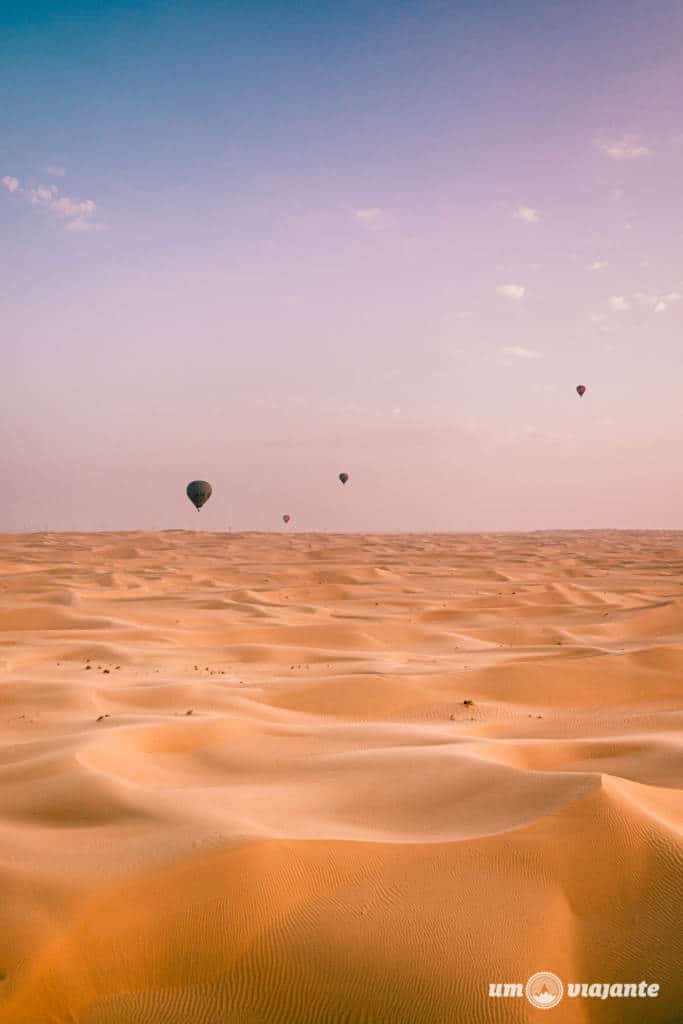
column 343, row 477
column 285, row 519
column 581, row 391
column 199, row 492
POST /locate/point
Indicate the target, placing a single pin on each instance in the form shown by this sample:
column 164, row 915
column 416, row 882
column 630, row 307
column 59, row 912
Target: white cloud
column 43, row 195
column 597, row 265
column 82, row 224
column 371, row 217
column 512, row 291
column 79, row 224
column 520, row 352
column 56, row 172
column 651, row 301
column 626, row 148
column 600, row 321
column 77, row 213
column 656, row 302
column 527, row 214
column 70, row 208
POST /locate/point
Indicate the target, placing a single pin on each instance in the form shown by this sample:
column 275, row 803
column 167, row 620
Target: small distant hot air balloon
column 343, row 477
column 581, row 390
column 285, row 519
column 199, row 492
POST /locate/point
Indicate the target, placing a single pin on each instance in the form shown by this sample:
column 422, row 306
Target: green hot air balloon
column 343, row 477
column 199, row 492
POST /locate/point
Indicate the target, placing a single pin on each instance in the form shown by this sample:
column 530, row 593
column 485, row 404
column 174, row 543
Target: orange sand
column 332, row 835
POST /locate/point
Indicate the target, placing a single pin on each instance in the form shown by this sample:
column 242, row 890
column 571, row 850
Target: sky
column 261, row 243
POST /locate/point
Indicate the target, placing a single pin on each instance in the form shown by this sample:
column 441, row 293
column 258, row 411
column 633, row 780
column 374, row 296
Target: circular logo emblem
column 544, row 990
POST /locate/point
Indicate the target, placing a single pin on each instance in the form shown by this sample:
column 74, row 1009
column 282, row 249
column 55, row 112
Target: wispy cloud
column 628, row 147
column 600, row 321
column 516, row 292
column 83, row 224
column 56, row 172
column 519, row 352
column 597, row 265
column 655, row 301
column 527, row 214
column 373, row 218
column 78, row 214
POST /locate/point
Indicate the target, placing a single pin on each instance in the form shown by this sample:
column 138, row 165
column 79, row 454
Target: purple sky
column 259, row 246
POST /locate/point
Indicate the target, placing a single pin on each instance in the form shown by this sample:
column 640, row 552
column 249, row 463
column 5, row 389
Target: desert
column 338, row 778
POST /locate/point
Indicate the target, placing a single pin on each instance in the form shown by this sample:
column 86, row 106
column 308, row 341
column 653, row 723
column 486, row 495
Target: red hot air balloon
column 285, row 519
column 581, row 390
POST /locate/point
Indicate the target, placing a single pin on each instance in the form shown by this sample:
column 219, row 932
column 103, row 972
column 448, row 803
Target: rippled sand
column 240, row 782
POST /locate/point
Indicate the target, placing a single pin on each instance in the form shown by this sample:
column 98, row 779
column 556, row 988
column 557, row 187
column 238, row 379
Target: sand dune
column 255, row 778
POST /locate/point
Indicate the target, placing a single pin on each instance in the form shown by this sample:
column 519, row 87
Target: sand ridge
column 240, row 782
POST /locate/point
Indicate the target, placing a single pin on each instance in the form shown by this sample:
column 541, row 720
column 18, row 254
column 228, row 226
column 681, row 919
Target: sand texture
column 239, row 783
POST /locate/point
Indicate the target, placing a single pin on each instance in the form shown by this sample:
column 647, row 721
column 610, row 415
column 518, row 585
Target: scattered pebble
column 468, row 702
column 88, row 667
column 105, row 671
column 102, row 717
column 189, row 712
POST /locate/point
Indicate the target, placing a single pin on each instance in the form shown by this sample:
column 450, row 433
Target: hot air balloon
column 199, row 492
column 343, row 477
column 581, row 390
column 285, row 519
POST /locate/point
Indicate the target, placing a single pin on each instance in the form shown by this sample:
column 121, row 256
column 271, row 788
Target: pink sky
column 391, row 245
